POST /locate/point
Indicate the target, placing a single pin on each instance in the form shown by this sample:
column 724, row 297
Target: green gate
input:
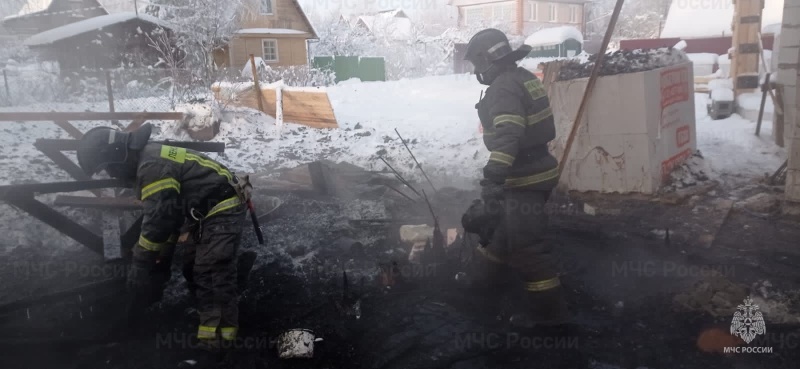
column 346, row 67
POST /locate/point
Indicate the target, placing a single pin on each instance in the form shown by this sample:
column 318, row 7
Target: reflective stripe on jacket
column 170, row 182
column 517, row 125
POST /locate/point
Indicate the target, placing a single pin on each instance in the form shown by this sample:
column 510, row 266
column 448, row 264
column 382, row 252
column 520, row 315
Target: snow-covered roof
column 33, row 6
column 88, row 25
column 713, row 20
column 774, row 28
column 554, row 36
column 271, row 31
column 396, row 28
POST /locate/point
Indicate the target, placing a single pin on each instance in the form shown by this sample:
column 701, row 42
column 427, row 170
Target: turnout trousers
column 520, row 255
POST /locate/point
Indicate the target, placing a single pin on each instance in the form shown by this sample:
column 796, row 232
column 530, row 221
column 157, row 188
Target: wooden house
column 37, row 16
column 107, row 41
column 277, row 31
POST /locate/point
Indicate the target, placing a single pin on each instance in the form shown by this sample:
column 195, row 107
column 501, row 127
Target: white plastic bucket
column 296, row 343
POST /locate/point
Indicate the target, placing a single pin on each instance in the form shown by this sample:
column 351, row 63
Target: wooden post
column 590, row 85
column 279, row 105
column 8, row 90
column 110, row 91
column 255, row 81
column 766, row 88
column 777, row 117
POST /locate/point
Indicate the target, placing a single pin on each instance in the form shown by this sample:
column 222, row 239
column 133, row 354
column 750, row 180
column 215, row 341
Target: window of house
column 533, row 9
column 473, row 15
column 573, row 14
column 270, row 50
column 266, row 6
column 553, row 13
column 503, row 12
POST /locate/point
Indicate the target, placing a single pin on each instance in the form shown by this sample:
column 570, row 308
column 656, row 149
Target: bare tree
column 202, row 26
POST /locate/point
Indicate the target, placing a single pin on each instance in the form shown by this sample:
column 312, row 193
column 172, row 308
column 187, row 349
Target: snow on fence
column 39, row 88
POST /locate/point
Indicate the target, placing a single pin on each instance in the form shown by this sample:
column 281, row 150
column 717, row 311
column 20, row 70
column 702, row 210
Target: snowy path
column 731, row 148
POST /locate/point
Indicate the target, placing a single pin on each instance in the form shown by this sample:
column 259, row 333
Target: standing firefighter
column 178, row 188
column 517, row 180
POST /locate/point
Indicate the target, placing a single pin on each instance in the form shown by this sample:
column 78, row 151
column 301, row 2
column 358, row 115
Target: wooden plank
column 135, row 124
column 62, row 116
column 115, row 203
column 703, row 80
column 67, row 126
column 310, row 108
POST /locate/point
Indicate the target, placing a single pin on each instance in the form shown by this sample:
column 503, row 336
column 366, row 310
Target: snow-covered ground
column 731, row 148
column 436, row 114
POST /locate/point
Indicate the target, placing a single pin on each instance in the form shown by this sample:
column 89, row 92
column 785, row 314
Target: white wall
column 788, row 66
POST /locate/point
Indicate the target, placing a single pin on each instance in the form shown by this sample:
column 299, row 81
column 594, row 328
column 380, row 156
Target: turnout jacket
column 173, row 183
column 517, row 125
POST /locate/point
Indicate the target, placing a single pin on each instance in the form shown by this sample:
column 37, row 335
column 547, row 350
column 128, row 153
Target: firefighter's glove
column 491, row 191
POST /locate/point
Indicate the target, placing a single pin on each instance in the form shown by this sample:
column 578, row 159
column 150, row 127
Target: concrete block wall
column 789, row 77
column 634, row 126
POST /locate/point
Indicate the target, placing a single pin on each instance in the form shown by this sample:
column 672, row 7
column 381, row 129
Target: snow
column 386, row 23
column 680, row 45
column 752, row 101
column 32, row 6
column 435, row 114
column 703, row 58
column 720, row 83
column 693, row 19
column 722, row 94
column 553, row 36
column 732, row 150
column 774, row 28
column 271, row 31
column 88, row 25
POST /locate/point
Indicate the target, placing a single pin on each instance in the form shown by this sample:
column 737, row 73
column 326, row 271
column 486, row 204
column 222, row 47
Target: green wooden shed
column 553, row 42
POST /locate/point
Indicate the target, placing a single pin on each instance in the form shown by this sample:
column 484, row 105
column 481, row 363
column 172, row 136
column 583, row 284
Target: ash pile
column 623, row 61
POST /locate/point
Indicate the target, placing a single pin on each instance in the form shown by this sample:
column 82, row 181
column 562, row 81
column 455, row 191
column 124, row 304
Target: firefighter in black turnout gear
column 181, row 191
column 517, row 180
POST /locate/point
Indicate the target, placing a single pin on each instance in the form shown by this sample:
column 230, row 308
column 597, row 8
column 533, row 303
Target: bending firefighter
column 518, row 178
column 180, row 189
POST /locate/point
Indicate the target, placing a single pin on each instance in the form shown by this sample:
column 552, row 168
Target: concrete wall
column 788, row 69
column 622, row 146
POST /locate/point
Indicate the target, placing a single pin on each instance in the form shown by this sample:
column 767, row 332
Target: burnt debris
column 623, row 61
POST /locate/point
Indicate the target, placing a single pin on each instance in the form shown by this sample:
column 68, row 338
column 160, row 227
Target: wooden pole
column 255, row 81
column 763, row 104
column 8, row 90
column 777, row 118
column 110, row 91
column 590, row 85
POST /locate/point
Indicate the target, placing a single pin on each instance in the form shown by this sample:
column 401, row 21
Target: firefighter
column 180, row 189
column 517, row 179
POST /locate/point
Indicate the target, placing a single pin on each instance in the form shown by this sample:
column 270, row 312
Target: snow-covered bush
column 298, row 75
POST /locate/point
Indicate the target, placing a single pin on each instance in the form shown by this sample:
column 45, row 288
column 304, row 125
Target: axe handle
column 254, row 218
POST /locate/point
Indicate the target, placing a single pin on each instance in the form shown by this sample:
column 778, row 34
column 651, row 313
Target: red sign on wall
column 668, row 165
column 682, row 136
column 674, row 86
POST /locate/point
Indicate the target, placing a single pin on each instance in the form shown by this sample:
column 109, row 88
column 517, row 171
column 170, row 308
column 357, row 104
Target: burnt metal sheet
column 751, row 48
column 747, row 82
column 750, row 19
